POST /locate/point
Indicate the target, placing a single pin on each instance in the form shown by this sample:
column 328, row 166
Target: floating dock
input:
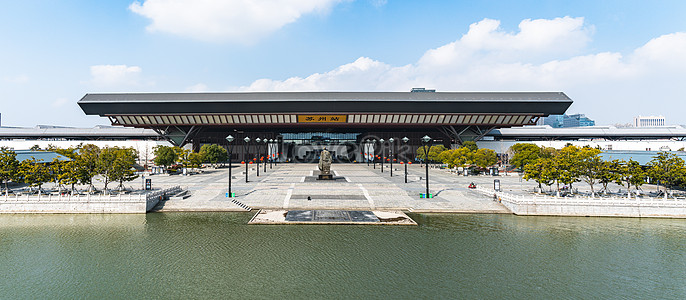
column 331, row 217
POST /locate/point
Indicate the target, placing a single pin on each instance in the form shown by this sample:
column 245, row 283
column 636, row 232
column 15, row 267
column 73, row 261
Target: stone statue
column 325, row 165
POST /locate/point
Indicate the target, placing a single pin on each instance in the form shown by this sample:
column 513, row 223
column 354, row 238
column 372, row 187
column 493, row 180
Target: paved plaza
column 357, row 187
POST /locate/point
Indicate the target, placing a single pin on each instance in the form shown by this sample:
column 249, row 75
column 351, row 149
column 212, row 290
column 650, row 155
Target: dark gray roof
column 543, row 103
column 323, row 96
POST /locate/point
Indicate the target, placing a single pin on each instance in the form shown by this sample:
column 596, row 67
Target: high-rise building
column 649, row 121
column 563, row 121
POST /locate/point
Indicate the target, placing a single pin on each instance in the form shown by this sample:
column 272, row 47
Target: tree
column 70, row 173
column 194, row 159
column 471, row 145
column 57, row 168
column 34, row 173
column 461, row 157
column 8, row 166
column 566, row 161
column 122, row 169
column 610, row 171
column 484, row 158
column 165, row 156
column 589, row 165
column 523, row 154
column 539, row 171
column 87, row 164
column 106, row 164
column 667, row 168
column 434, row 152
column 212, row 153
column 630, row 173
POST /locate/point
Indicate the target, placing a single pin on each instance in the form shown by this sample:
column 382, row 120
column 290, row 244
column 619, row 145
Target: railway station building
column 298, row 125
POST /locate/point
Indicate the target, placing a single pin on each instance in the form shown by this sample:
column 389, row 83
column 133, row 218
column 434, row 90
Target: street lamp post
column 257, row 158
column 266, row 151
column 374, row 153
column 271, row 153
column 405, row 140
column 230, row 140
column 390, row 156
column 383, row 152
column 247, row 147
column 366, row 151
column 426, row 141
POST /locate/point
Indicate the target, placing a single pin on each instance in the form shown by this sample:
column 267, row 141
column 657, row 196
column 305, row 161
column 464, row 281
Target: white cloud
column 59, row 102
column 378, row 3
column 543, row 55
column 19, row 79
column 235, row 20
column 200, row 87
column 115, row 75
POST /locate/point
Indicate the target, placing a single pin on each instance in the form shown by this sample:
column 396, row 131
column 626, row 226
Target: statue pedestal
column 325, row 177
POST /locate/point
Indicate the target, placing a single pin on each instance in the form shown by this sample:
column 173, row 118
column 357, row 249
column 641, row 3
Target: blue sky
column 615, row 59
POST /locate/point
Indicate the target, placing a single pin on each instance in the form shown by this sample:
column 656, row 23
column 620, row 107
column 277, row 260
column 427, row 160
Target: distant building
column 649, row 121
column 566, row 121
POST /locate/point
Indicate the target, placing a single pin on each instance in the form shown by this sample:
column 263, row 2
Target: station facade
column 298, row 125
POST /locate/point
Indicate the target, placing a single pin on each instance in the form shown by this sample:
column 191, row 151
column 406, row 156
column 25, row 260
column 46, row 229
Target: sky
column 615, row 59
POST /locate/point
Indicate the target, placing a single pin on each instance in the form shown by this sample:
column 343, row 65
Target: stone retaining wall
column 108, row 204
column 528, row 205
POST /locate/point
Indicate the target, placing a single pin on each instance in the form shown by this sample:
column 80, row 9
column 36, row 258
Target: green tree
column 567, row 163
column 194, row 159
column 461, row 157
column 214, row 154
column 434, row 152
column 523, row 154
column 471, row 145
column 165, row 156
column 668, row 168
column 183, row 156
column 8, row 166
column 106, row 164
column 610, row 171
column 539, row 171
column 34, row 172
column 57, row 168
column 484, row 158
column 123, row 169
column 70, row 173
column 87, row 163
column 630, row 173
column 589, row 165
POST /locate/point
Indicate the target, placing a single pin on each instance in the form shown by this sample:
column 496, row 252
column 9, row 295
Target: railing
column 580, row 200
column 71, row 198
column 88, row 197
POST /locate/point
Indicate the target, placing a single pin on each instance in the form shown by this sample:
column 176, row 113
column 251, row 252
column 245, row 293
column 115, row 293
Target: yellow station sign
column 322, row 118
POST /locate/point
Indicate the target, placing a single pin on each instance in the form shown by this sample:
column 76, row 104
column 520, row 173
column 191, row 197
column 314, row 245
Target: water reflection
column 216, row 255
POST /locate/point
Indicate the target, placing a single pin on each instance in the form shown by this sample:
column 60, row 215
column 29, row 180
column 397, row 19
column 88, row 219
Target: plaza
column 287, row 186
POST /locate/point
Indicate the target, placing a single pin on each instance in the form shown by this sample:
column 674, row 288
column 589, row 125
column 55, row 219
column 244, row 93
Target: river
column 216, row 255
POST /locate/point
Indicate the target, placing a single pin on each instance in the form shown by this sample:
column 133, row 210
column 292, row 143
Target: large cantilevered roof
column 467, row 102
column 325, row 108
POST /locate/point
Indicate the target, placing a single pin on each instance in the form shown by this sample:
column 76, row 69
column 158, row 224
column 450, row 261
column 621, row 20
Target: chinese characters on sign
column 322, row 118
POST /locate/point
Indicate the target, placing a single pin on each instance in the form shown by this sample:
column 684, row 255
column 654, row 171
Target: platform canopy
column 178, row 115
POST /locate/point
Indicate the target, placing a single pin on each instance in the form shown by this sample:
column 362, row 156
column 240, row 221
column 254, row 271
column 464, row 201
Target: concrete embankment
column 109, row 204
column 534, row 205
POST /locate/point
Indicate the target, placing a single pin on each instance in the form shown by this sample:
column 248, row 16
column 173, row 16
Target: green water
column 215, row 255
